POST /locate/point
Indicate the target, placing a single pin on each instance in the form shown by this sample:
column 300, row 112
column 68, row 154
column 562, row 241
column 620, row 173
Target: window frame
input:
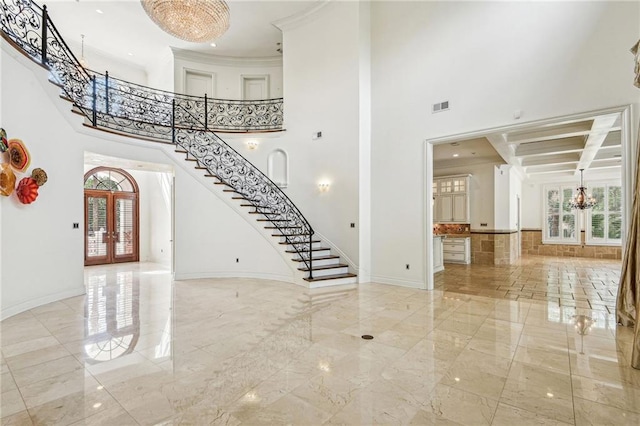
column 576, row 240
column 606, row 241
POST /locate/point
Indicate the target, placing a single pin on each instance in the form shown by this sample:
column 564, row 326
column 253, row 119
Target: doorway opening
column 536, row 154
column 111, row 212
column 255, row 87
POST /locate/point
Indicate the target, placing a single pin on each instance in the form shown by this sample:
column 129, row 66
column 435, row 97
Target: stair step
column 320, row 260
column 181, row 151
column 200, row 168
column 305, row 250
column 323, row 267
column 331, row 277
column 281, row 227
column 290, row 235
column 273, row 220
column 190, row 159
column 306, row 242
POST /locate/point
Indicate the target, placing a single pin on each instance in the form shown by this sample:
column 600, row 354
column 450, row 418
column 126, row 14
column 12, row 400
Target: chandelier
column 198, row 21
column 581, row 200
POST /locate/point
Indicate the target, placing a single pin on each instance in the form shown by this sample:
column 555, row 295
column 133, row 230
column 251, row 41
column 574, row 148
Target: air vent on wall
column 439, row 107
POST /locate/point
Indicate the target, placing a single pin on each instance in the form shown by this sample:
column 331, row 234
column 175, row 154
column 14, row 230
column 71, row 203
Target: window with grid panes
column 560, row 224
column 604, row 220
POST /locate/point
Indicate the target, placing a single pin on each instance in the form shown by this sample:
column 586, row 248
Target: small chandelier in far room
column 197, row 21
column 581, row 200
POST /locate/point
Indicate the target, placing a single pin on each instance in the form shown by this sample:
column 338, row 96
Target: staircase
column 124, row 108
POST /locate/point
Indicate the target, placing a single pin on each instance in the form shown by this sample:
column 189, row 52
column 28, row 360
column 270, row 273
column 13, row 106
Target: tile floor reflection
column 139, row 349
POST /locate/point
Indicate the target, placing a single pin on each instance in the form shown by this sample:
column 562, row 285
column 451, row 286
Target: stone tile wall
column 494, row 249
column 532, row 245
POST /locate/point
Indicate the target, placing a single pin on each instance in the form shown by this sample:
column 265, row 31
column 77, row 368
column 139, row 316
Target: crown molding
column 300, row 18
column 228, row 61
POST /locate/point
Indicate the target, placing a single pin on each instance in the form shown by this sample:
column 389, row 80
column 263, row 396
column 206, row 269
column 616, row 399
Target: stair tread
column 319, row 268
column 302, row 242
column 331, row 277
column 281, row 227
column 306, row 250
column 315, row 259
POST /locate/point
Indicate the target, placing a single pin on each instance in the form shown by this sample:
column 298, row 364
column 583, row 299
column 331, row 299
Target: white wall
column 321, row 89
column 501, row 199
column 160, row 236
column 228, row 72
column 532, row 205
column 515, row 193
column 548, row 59
column 160, row 75
column 42, row 255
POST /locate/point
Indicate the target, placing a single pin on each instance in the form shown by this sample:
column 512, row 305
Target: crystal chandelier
column 581, row 200
column 198, row 21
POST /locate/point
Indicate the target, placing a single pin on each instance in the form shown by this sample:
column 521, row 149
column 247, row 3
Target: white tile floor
column 139, row 349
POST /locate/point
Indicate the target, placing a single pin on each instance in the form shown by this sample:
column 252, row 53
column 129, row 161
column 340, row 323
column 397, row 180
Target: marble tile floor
column 139, row 349
column 564, row 281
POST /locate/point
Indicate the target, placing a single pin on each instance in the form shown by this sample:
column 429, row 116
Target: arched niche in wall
column 278, row 167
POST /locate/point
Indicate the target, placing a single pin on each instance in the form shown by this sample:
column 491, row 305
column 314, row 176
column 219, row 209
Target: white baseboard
column 401, row 283
column 30, row 304
column 204, row 275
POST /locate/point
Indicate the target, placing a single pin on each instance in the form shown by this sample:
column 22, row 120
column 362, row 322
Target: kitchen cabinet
column 438, row 260
column 451, row 199
column 456, row 250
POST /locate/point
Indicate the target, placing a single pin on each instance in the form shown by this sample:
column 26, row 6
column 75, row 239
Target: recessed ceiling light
column 456, row 155
column 99, row 11
column 212, row 45
column 130, row 54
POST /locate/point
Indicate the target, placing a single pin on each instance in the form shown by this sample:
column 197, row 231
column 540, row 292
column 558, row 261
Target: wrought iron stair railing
column 164, row 116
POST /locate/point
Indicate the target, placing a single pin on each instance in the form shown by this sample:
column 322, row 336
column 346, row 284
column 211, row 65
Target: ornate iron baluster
column 45, row 18
column 95, row 116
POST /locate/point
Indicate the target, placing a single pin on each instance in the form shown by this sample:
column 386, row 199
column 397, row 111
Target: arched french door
column 110, row 217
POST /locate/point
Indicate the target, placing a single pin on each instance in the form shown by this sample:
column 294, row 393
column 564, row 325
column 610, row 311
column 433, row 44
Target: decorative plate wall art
column 7, row 179
column 4, row 144
column 16, row 159
column 27, row 190
column 19, row 157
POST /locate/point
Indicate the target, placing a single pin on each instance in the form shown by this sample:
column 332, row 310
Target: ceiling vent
column 439, row 107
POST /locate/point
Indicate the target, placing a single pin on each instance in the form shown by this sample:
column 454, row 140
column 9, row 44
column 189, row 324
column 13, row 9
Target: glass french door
column 111, row 227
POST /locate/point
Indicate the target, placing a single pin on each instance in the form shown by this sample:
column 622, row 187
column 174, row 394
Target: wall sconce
column 324, row 186
column 252, row 144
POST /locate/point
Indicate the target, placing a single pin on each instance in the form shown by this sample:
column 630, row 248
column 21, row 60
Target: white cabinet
column 438, row 260
column 451, row 199
column 456, row 250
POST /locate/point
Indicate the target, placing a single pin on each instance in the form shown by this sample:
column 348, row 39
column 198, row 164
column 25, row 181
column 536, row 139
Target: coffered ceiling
column 554, row 152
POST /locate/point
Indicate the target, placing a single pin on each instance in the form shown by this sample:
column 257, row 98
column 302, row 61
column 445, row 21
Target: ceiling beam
column 555, row 132
column 601, row 128
column 571, row 157
column 556, row 146
column 507, row 152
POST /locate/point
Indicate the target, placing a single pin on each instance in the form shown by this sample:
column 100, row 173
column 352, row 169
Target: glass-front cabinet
column 451, row 199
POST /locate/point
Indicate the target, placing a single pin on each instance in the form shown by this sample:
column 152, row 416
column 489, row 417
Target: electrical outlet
column 237, row 260
column 408, row 266
column 353, row 225
column 76, row 225
column 483, row 224
column 316, row 135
